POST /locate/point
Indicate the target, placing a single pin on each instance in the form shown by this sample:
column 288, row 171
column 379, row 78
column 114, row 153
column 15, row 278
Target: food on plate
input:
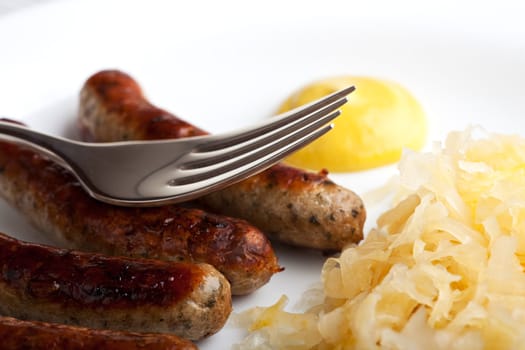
column 290, row 205
column 53, row 200
column 48, row 284
column 34, row 335
column 381, row 120
column 444, row 269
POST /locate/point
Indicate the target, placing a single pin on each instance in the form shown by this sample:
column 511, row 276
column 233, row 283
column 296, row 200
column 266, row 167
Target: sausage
column 33, row 335
column 290, row 205
column 44, row 283
column 53, row 200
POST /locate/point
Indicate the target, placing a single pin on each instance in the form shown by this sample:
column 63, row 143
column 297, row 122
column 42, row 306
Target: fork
column 150, row 173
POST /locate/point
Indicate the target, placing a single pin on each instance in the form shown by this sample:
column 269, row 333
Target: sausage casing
column 291, row 205
column 53, row 200
column 33, row 335
column 48, row 284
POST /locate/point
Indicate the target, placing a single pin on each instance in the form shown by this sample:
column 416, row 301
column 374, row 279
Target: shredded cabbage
column 443, row 269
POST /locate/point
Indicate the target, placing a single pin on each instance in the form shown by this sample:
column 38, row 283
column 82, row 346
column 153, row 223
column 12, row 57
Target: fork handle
column 48, row 145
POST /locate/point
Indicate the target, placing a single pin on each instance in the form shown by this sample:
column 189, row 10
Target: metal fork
column 149, row 173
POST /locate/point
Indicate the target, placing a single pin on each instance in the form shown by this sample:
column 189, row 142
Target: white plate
column 225, row 64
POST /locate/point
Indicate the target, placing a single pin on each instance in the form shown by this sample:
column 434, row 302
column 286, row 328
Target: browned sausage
column 291, row 205
column 48, row 284
column 33, row 335
column 53, row 200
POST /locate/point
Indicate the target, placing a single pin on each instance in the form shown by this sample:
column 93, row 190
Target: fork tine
column 216, row 179
column 274, row 123
column 278, row 146
column 258, row 141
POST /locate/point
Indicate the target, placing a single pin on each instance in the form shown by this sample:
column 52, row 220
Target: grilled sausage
column 33, row 335
column 291, row 205
column 53, row 200
column 48, row 284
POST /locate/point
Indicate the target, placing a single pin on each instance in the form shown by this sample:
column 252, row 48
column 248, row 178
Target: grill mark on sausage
column 91, row 280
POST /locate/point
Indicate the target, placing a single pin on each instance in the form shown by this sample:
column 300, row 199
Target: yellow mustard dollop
column 380, row 119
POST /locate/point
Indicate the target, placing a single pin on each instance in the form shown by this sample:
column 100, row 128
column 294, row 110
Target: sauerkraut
column 443, row 269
